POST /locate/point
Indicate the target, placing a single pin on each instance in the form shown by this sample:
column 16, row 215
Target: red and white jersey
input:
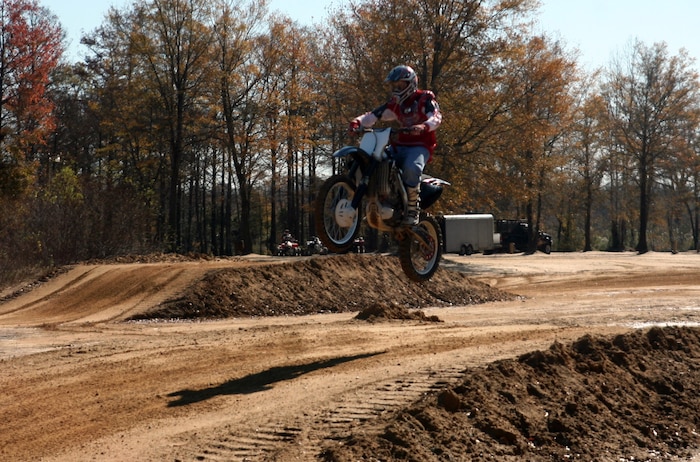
column 420, row 108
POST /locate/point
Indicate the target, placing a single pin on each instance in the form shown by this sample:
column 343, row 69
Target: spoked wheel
column 337, row 222
column 420, row 255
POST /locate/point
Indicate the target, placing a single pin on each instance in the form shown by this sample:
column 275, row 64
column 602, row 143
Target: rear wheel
column 337, row 222
column 420, row 260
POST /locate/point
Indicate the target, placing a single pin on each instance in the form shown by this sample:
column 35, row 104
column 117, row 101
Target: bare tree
column 240, row 75
column 649, row 100
column 585, row 145
column 173, row 39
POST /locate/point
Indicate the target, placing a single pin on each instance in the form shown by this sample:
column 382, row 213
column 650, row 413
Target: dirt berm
column 329, row 284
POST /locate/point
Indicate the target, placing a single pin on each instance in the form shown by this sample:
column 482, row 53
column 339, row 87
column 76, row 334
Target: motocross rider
column 418, row 112
column 287, row 236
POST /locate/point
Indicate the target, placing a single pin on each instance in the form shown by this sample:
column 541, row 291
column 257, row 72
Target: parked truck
column 470, row 233
column 514, row 236
column 466, row 234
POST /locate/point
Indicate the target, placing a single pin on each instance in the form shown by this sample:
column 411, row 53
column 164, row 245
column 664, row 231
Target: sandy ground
column 80, row 382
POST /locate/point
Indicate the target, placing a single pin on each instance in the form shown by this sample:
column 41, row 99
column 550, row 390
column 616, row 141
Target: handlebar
column 393, row 129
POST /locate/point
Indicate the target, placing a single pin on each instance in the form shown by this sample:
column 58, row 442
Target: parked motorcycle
column 314, row 246
column 288, row 248
column 372, row 187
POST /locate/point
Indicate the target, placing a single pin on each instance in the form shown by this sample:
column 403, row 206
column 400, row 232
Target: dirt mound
column 388, row 311
column 337, row 283
column 158, row 257
column 631, row 397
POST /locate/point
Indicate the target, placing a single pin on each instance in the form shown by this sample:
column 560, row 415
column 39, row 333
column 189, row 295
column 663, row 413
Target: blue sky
column 599, row 29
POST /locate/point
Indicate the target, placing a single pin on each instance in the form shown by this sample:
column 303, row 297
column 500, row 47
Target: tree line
column 207, row 126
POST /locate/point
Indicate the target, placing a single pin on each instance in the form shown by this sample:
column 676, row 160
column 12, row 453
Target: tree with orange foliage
column 30, row 49
column 540, row 112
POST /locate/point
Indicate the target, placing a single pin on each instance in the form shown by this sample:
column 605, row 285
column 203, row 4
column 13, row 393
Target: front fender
column 346, row 151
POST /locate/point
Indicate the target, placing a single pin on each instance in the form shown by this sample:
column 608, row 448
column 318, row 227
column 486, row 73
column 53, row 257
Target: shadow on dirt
column 261, row 381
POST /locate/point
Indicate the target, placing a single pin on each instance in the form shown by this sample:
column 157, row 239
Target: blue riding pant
column 411, row 160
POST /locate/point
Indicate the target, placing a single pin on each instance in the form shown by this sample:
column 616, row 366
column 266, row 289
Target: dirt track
column 81, row 384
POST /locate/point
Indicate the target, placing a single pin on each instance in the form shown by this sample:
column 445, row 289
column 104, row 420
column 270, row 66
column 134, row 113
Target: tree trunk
column 642, row 246
column 587, row 246
column 214, row 220
column 173, row 235
column 245, row 235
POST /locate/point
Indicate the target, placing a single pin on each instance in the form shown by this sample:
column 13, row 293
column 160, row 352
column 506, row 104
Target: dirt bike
column 372, row 186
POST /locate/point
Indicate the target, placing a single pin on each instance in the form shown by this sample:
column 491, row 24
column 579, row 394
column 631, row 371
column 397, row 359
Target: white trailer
column 466, row 234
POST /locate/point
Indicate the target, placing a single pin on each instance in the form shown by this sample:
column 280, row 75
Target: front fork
column 364, row 182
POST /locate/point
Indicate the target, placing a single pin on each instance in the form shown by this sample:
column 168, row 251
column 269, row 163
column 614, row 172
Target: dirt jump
column 570, row 356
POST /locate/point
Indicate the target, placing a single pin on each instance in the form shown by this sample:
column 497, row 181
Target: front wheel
column 337, row 222
column 419, row 260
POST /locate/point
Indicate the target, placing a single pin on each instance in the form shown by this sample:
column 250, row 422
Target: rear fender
column 430, row 190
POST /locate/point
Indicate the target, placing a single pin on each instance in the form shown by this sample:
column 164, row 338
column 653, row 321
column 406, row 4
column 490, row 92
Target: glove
column 354, row 127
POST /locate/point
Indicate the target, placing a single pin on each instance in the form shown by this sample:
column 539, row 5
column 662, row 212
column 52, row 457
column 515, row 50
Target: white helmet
column 403, row 74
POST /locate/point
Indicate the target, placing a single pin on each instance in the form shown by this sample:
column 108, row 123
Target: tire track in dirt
column 278, row 440
column 44, row 294
column 162, row 287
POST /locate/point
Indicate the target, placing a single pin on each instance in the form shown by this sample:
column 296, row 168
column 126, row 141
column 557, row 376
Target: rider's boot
column 412, row 209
